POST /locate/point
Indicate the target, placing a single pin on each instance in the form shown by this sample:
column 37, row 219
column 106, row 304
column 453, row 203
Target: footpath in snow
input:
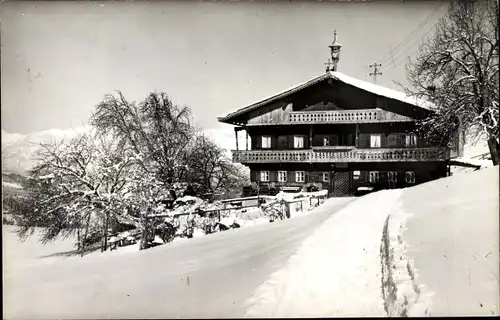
column 336, row 271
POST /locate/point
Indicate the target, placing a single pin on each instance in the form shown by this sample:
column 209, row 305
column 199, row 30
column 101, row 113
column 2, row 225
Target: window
column 264, row 176
column 298, row 142
column 410, row 140
column 375, row 141
column 281, row 176
column 326, row 141
column 266, row 142
column 410, row 177
column 300, row 176
column 374, row 176
column 392, row 176
column 356, row 175
column 326, row 176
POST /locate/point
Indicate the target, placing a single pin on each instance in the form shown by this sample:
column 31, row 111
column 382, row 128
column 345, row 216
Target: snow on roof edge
column 382, row 91
column 363, row 85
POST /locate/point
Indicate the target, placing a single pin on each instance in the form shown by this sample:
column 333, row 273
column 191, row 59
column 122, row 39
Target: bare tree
column 457, row 70
column 210, row 169
column 156, row 129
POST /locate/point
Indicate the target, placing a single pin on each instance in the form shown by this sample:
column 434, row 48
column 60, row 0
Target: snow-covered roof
column 363, row 85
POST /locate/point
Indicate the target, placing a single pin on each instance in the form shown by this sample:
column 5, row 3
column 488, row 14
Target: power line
column 409, row 36
column 405, row 52
column 412, row 34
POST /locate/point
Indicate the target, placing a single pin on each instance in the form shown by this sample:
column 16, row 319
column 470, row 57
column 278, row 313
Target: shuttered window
column 266, row 142
column 410, row 177
column 410, row 141
column 374, row 176
column 375, row 140
column 326, row 176
column 300, row 176
column 392, row 176
column 264, row 176
column 298, row 142
column 282, row 176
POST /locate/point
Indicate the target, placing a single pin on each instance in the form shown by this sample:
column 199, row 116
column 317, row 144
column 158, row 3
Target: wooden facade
column 339, row 136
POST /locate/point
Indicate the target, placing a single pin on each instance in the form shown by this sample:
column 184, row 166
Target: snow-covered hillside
column 18, row 148
column 451, row 231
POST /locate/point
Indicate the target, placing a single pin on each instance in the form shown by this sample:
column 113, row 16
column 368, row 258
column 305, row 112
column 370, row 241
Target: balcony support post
column 246, row 138
column 310, row 136
column 356, row 135
column 236, row 137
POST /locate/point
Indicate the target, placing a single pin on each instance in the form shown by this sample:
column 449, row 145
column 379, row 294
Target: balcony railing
column 354, row 155
column 344, row 116
column 330, row 116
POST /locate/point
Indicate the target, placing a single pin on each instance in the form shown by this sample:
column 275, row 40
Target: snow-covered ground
column 210, row 276
column 427, row 250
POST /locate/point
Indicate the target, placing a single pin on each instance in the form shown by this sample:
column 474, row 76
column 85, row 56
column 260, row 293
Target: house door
column 341, row 183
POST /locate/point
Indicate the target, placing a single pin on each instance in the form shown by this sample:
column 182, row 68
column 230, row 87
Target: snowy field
column 426, row 250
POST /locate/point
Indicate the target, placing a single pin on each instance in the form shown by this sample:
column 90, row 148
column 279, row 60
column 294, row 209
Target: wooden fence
column 305, row 203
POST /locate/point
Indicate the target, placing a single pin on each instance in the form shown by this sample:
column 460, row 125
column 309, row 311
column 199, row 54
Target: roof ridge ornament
column 334, row 52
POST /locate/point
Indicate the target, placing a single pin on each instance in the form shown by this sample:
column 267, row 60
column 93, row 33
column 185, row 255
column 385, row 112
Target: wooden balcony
column 332, row 116
column 353, row 155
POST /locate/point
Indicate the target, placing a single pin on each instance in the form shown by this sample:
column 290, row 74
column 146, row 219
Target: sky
column 59, row 59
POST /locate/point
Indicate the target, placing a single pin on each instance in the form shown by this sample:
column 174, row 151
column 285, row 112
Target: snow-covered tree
column 457, row 70
column 120, row 173
column 76, row 187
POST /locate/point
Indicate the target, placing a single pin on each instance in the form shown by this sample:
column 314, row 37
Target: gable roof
column 363, row 85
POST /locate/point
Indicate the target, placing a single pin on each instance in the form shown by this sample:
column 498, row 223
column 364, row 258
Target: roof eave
column 272, row 99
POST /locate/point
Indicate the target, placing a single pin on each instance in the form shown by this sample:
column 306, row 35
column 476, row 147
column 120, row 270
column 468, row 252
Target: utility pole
column 375, row 71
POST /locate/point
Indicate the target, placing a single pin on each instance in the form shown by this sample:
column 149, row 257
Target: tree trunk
column 144, row 235
column 144, row 239
column 105, row 233
column 78, row 239
column 85, row 235
column 493, row 146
